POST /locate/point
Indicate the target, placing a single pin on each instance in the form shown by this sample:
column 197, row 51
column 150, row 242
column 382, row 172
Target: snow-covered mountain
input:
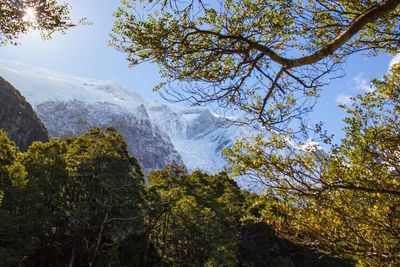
column 157, row 134
column 198, row 135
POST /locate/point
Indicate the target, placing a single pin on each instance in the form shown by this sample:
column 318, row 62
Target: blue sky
column 82, row 51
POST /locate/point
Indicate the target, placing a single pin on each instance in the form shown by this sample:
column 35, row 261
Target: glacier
column 156, row 133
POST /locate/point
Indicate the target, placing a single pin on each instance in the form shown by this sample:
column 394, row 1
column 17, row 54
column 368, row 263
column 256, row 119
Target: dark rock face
column 18, row 119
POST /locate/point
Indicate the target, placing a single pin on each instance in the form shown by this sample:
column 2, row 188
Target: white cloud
column 395, row 59
column 363, row 84
column 344, row 99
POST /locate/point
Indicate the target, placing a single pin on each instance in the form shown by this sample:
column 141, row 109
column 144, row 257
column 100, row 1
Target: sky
column 83, row 51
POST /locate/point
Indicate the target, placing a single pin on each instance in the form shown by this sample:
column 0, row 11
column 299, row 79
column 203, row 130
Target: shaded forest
column 83, row 201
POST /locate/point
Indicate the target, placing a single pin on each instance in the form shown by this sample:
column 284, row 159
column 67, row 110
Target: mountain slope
column 145, row 141
column 198, row 135
column 17, row 117
column 70, row 105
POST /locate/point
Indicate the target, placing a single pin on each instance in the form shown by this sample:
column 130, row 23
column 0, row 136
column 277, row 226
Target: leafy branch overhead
column 268, row 58
column 22, row 16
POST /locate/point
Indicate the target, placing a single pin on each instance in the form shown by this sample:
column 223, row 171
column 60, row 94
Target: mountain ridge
column 194, row 136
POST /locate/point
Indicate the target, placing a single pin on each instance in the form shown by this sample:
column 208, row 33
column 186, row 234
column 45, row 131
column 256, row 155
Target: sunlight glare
column 30, row 15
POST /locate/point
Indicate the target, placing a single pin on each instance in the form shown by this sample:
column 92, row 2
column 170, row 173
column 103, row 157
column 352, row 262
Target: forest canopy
column 82, row 201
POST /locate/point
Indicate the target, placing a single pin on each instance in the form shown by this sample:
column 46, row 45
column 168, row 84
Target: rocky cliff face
column 145, row 141
column 17, row 117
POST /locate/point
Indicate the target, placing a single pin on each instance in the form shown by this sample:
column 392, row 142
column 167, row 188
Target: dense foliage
column 343, row 202
column 67, row 201
column 197, row 217
column 82, row 201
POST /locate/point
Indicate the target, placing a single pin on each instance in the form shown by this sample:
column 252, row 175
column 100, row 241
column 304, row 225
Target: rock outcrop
column 17, row 117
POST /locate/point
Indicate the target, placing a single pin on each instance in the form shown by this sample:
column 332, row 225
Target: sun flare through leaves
column 30, row 17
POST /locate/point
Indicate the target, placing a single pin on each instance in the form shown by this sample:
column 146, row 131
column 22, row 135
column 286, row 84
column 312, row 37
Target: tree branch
column 352, row 29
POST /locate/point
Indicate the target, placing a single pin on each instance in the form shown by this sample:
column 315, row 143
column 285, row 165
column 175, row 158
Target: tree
column 344, row 201
column 82, row 201
column 13, row 179
column 195, row 217
column 80, row 204
column 21, row 16
column 199, row 219
column 12, row 173
column 268, row 58
column 105, row 188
